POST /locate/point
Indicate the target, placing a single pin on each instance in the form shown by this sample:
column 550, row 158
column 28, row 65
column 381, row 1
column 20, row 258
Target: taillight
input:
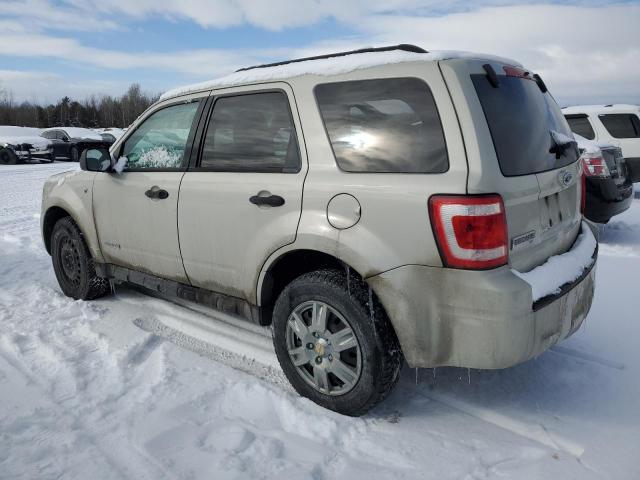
column 471, row 231
column 593, row 165
column 583, row 192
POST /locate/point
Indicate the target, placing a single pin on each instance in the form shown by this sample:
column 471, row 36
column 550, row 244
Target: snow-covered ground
column 121, row 388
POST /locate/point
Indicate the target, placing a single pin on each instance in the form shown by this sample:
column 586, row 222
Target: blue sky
column 587, row 51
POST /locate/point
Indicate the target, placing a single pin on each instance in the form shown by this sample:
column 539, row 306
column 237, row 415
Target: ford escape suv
column 371, row 206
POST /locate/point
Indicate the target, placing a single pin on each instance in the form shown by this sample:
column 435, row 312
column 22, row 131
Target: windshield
column 529, row 132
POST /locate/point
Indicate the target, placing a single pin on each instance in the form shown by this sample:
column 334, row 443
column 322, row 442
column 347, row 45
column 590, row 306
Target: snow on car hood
column 38, row 142
column 19, row 135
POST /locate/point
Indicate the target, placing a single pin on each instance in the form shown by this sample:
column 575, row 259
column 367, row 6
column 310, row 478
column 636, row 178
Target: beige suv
column 373, row 207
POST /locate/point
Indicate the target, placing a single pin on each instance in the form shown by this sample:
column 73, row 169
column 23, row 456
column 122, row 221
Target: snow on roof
column 613, row 108
column 586, row 145
column 76, row 132
column 326, row 67
column 592, row 146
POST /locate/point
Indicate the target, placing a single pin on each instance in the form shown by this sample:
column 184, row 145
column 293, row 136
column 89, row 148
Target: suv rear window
column 526, row 126
column 580, row 124
column 621, row 125
column 383, row 126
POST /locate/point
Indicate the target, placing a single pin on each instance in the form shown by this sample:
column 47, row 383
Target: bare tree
column 93, row 111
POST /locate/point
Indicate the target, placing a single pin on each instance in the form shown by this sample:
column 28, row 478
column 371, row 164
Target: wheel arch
column 289, row 265
column 51, row 217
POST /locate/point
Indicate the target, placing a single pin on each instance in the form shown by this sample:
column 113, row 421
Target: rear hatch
column 538, row 174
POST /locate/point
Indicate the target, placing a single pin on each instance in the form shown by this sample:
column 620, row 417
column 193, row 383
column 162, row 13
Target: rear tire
column 7, row 157
column 373, row 356
column 73, row 265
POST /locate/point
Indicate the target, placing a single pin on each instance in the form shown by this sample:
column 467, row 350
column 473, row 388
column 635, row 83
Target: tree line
column 94, row 111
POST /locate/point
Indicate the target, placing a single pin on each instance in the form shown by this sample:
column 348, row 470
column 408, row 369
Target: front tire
column 73, row 265
column 7, row 157
column 333, row 347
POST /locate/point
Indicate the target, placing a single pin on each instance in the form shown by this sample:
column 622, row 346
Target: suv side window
column 580, row 124
column 160, row 141
column 383, row 126
column 621, row 125
column 251, row 133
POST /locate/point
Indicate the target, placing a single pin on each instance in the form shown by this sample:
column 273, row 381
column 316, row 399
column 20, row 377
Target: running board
column 218, row 301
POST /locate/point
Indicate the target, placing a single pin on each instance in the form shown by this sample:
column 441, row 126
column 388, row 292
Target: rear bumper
column 34, row 154
column 605, row 199
column 484, row 319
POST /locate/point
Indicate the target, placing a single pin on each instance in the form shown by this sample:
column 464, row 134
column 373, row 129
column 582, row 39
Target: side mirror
column 96, row 160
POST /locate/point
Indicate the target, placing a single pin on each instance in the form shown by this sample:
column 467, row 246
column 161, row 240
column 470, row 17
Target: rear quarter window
column 383, row 126
column 621, row 125
column 580, row 124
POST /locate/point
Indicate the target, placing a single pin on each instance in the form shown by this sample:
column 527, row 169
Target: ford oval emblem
column 565, row 178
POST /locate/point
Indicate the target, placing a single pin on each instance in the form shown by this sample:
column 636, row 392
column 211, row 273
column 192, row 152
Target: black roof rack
column 403, row 46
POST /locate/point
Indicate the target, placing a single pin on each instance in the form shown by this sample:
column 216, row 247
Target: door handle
column 157, row 192
column 267, row 199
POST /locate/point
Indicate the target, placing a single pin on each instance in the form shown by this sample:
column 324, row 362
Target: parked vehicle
column 371, row 206
column 70, row 142
column 609, row 186
column 22, row 144
column 617, row 125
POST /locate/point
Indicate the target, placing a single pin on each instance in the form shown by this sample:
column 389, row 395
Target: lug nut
column 318, row 360
column 315, row 334
column 310, row 346
column 330, row 357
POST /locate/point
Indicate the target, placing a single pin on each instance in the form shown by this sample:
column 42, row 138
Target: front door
column 136, row 211
column 60, row 147
column 243, row 199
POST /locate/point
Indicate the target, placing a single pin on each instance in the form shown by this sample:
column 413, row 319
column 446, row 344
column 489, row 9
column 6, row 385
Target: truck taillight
column 595, row 166
column 471, row 231
column 583, row 192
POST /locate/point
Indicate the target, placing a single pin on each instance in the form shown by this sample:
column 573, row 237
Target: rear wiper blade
column 560, row 143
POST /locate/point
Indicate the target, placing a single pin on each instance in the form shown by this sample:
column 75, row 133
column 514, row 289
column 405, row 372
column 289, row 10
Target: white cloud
column 42, row 87
column 582, row 51
column 43, row 14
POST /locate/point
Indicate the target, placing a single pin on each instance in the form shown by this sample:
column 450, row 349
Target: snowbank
column 11, row 131
column 327, row 66
column 548, row 278
column 132, row 386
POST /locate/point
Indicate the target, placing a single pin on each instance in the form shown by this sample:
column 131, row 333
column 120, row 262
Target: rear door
column 521, row 147
column 60, row 148
column 242, row 200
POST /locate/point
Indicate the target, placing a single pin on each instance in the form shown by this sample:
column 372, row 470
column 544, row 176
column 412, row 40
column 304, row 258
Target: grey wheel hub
column 323, row 347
